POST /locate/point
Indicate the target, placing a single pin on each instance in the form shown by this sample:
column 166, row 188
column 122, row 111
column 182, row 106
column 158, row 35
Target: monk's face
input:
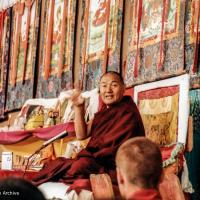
column 111, row 89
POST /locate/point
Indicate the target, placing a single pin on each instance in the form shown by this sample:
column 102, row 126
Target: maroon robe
column 145, row 194
column 111, row 127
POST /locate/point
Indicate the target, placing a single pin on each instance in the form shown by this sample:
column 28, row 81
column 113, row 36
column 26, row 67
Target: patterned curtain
column 4, row 49
column 193, row 159
column 192, row 41
column 155, row 40
column 100, row 40
column 56, row 47
column 25, row 21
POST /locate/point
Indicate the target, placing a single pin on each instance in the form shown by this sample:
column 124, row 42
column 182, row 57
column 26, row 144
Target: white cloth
column 91, row 109
column 93, row 106
column 47, row 103
column 58, row 190
column 185, row 182
column 4, row 4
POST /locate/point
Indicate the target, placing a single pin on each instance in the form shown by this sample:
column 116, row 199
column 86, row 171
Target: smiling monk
column 117, row 121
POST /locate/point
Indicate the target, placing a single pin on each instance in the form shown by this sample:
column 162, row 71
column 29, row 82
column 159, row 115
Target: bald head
column 140, row 161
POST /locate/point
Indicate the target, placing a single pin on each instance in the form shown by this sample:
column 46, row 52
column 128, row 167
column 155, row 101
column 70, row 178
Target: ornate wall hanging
column 25, row 21
column 4, row 49
column 100, row 39
column 192, row 35
column 156, row 40
column 56, row 47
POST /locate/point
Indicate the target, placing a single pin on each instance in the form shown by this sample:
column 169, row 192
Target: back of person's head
column 19, row 189
column 140, row 161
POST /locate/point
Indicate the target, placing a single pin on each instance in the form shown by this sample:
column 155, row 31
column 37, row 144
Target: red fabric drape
column 11, row 137
column 9, row 173
column 111, row 127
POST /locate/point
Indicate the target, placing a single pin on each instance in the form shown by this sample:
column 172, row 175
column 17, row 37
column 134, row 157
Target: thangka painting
column 100, row 40
column 4, row 48
column 164, row 109
column 192, row 35
column 25, row 21
column 56, row 47
column 155, row 40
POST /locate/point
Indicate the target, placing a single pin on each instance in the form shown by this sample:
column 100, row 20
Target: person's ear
column 120, row 177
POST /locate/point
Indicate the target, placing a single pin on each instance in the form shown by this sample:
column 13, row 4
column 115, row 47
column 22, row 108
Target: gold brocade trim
column 155, row 106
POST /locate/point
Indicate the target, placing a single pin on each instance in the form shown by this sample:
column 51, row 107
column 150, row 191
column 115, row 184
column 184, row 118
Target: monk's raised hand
column 76, row 97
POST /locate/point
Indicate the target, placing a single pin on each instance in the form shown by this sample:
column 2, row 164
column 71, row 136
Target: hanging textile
column 192, row 41
column 192, row 35
column 163, row 106
column 155, row 40
column 25, row 22
column 100, row 40
column 4, row 48
column 56, row 47
column 192, row 158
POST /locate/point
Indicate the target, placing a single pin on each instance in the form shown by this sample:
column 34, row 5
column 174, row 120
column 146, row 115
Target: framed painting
column 25, row 22
column 5, row 19
column 164, row 107
column 155, row 43
column 56, row 47
column 100, row 39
